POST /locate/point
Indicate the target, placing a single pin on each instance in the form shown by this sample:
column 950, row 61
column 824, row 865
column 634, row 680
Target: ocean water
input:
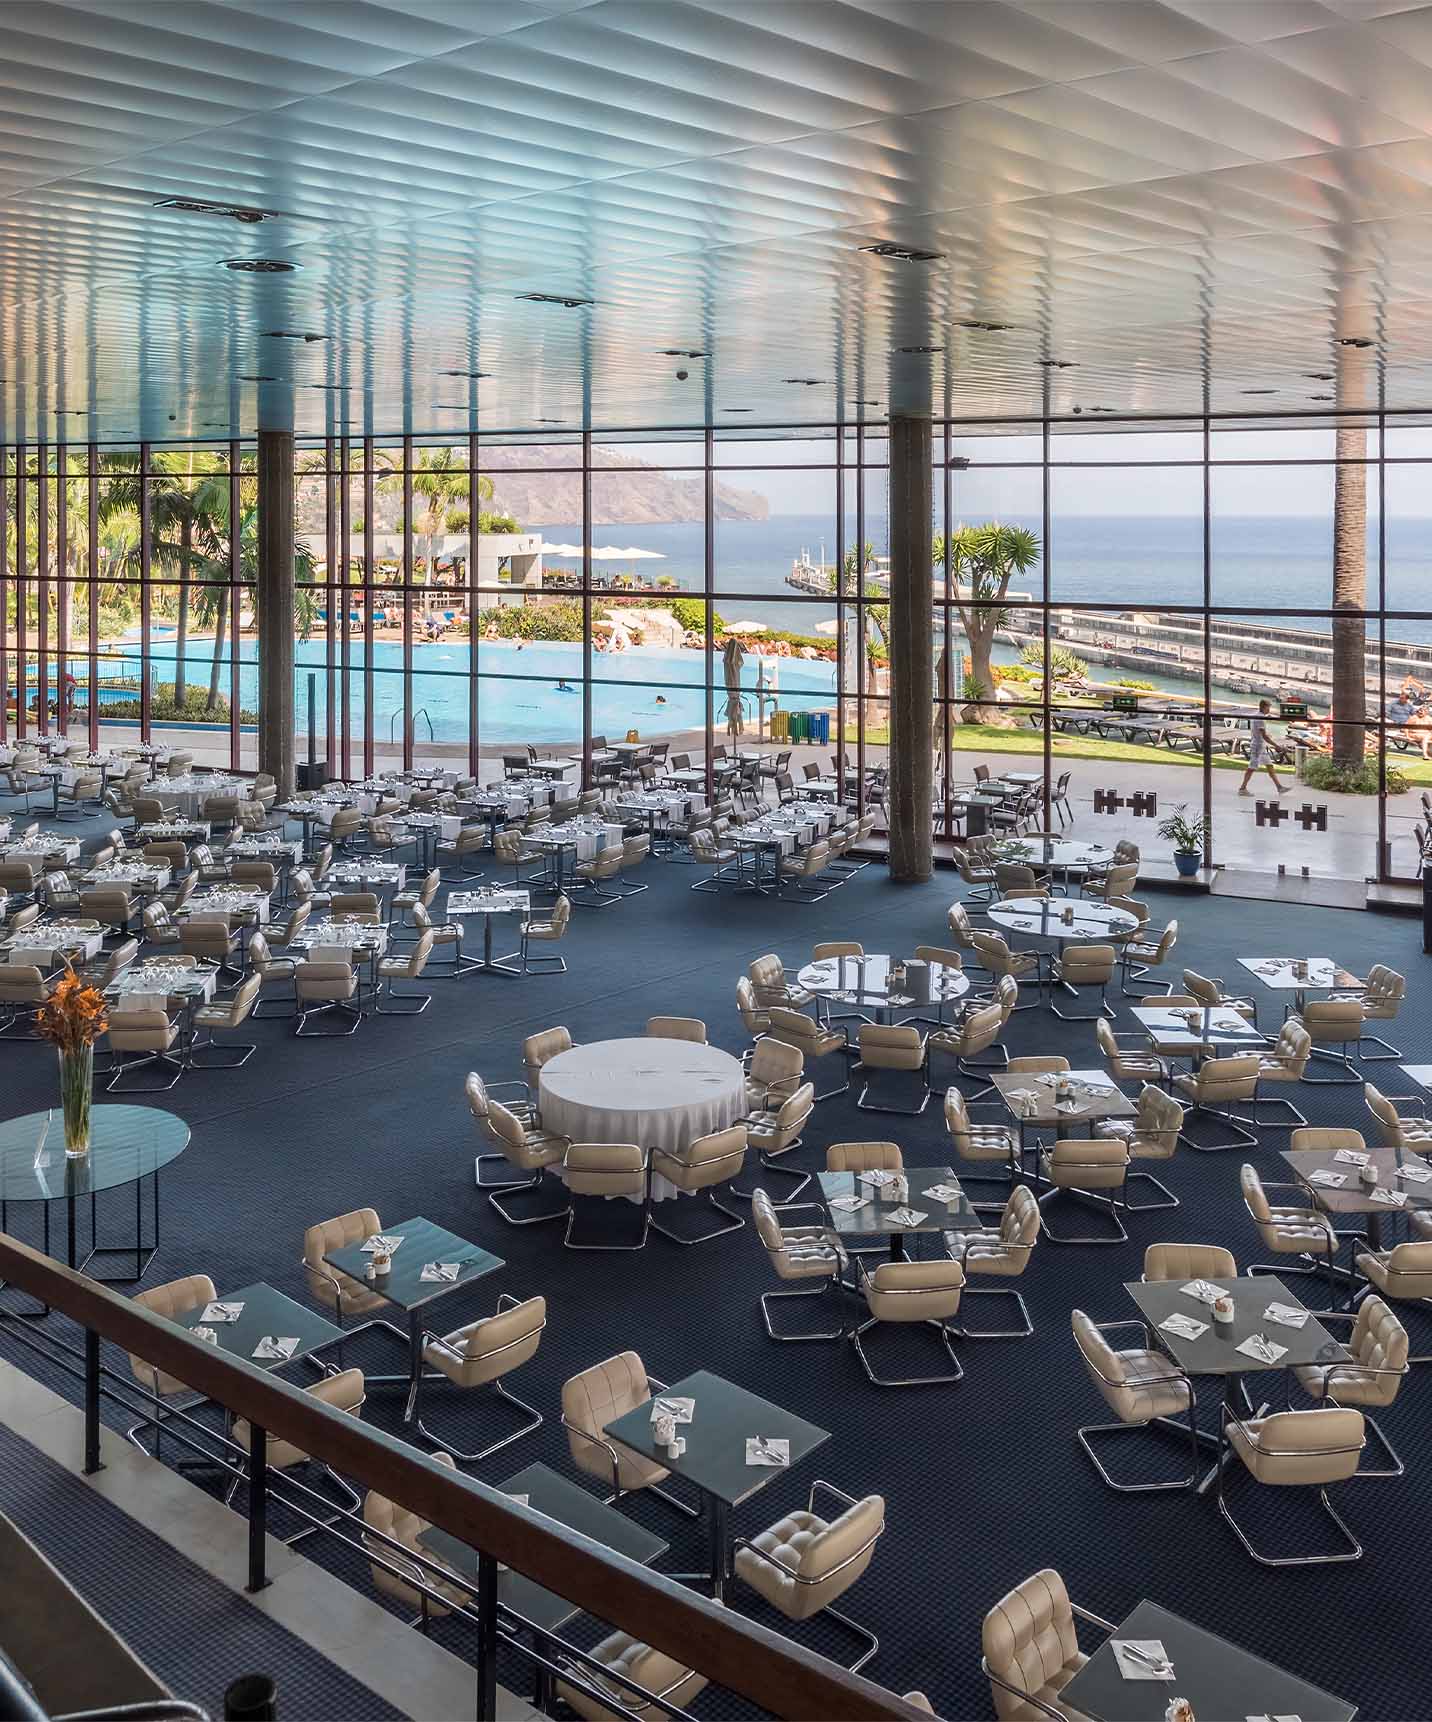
column 1143, row 561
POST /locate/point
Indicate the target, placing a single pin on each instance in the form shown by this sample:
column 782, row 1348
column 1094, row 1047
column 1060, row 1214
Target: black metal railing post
column 258, row 1507
column 93, row 1461
column 486, row 1637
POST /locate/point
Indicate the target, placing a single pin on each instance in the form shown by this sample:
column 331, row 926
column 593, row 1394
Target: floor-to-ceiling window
column 1112, row 602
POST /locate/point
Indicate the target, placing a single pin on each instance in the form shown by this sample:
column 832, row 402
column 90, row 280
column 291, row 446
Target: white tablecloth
column 656, row 1093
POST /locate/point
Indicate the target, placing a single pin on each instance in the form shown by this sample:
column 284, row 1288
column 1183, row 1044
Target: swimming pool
column 518, row 695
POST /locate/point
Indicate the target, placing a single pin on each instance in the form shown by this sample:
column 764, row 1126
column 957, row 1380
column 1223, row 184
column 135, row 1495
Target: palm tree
column 983, row 561
column 442, row 483
column 1350, row 598
column 852, row 580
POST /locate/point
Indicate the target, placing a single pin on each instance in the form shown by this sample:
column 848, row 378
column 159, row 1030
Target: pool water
column 518, row 695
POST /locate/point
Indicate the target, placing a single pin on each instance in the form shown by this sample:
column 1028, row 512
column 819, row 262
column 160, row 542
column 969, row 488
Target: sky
column 1083, row 489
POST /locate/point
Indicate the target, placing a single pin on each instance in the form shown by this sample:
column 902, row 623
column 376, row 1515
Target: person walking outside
column 1258, row 758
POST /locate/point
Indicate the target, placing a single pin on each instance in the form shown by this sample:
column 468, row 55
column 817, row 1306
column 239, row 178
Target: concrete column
column 912, row 652
column 274, row 607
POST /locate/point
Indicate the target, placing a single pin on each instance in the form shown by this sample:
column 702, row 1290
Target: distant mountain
column 626, row 491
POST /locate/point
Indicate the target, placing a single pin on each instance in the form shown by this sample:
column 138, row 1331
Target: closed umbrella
column 732, row 657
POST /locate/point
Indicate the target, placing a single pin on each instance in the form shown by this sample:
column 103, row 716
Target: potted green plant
column 1187, row 836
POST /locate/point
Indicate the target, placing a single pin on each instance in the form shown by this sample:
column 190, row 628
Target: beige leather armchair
column 595, row 1397
column 1379, row 1346
column 1149, row 949
column 1140, row 1384
column 768, row 976
column 1285, row 1061
column 173, row 1298
column 1381, row 1001
column 23, row 989
column 1002, row 1252
column 1336, row 1028
column 811, row 1254
column 1289, row 1228
column 322, row 987
column 548, row 930
column 541, row 1047
column 803, row 1564
column 1031, row 1648
column 605, row 1170
column 224, row 1016
column 1153, row 1133
column 1128, row 1057
column 138, row 1039
column 1411, row 1129
column 776, row 1130
column 1300, row 1450
column 698, row 1170
column 1189, row 1262
column 893, row 1047
column 626, row 1662
column 1089, row 966
column 814, row 1040
column 399, row 1566
column 1214, row 1089
column 995, row 1145
column 912, row 1291
column 344, row 1391
column 522, row 1143
column 1094, row 1169
column 482, row 1354
column 677, row 1028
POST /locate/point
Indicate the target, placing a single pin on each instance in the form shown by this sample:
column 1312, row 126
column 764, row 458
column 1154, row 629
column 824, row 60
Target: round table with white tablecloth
column 656, row 1093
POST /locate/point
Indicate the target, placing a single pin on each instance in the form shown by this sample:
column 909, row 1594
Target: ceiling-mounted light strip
column 983, row 327
column 202, row 206
column 901, row 253
column 567, row 302
column 260, row 265
column 683, row 353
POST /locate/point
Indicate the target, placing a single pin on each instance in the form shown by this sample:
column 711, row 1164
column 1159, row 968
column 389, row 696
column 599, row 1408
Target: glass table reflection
column 128, row 1144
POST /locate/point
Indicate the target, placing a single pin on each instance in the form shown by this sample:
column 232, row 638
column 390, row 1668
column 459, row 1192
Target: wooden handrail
column 774, row 1672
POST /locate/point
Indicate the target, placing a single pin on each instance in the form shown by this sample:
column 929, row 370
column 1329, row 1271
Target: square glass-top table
column 558, row 1498
column 1217, row 1678
column 1404, row 1183
column 266, row 1313
column 882, row 1214
column 424, row 1244
column 1034, row 1098
column 724, row 1418
column 1189, row 1031
column 1301, row 975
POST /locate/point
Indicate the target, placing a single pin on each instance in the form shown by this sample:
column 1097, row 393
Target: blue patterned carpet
column 984, row 1481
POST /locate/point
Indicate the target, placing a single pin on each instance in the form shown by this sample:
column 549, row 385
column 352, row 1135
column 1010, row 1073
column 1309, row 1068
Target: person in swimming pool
column 564, row 686
column 661, row 699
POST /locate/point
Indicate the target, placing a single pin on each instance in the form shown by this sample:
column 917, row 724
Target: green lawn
column 992, row 738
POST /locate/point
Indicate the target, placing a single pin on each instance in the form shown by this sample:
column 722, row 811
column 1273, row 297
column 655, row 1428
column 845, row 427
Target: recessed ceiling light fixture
column 1322, row 397
column 567, row 302
column 291, row 335
column 1318, row 376
column 1257, row 391
column 551, row 421
column 1059, row 364
column 202, row 206
column 983, row 327
column 255, row 378
column 901, row 253
column 738, row 409
column 867, row 403
column 919, row 349
column 474, row 376
column 260, row 265
column 683, row 353
column 1355, row 341
column 805, row 382
column 336, row 387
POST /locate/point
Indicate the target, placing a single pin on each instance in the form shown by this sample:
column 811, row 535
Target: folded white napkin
column 849, row 1204
column 1142, row 1659
column 905, row 1216
column 382, row 1241
column 767, row 1450
column 222, row 1312
column 1415, row 1174
column 1348, row 1157
column 1262, row 1350
column 1331, row 1180
column 1184, row 1326
column 677, row 1407
column 270, row 1349
column 445, row 1272
column 1389, row 1198
column 945, row 1192
column 1203, row 1291
column 878, row 1178
column 1285, row 1315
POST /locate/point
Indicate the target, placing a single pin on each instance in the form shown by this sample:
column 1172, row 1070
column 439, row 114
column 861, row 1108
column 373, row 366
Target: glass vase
column 76, row 1089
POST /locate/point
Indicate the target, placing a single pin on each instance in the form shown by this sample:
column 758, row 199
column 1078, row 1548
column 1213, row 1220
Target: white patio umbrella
column 745, row 627
column 605, row 553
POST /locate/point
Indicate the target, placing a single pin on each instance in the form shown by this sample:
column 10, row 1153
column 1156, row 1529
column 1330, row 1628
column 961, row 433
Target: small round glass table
column 865, row 982
column 128, row 1144
column 1058, row 854
column 1063, row 918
